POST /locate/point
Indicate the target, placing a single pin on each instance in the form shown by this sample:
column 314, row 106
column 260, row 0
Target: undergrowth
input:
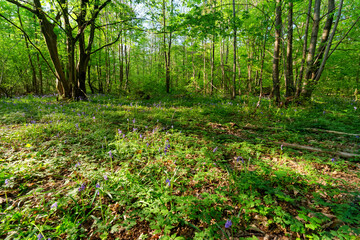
column 177, row 168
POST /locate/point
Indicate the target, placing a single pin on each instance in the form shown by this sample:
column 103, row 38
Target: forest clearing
column 116, row 168
column 149, row 119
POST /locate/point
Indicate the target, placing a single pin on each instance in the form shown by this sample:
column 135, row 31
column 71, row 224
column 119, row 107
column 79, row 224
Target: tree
column 289, row 79
column 72, row 76
column 276, row 57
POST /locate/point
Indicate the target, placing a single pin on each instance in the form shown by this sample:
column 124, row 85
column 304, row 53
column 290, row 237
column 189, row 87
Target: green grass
column 177, row 168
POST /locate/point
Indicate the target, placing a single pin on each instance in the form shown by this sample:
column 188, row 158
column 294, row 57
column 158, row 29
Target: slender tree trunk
column 222, row 50
column 212, row 65
column 302, row 67
column 313, row 63
column 233, row 95
column 204, row 69
column 289, row 78
column 32, row 66
column 127, row 68
column 327, row 50
column 121, row 60
column 276, row 59
column 89, row 80
column 40, row 74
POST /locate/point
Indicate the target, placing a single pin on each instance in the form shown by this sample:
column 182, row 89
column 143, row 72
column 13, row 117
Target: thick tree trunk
column 276, row 59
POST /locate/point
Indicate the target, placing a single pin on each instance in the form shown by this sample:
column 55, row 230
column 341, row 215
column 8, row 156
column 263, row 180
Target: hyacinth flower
column 228, row 223
column 215, row 149
column 168, row 182
column 82, row 187
column 54, row 205
column 97, row 191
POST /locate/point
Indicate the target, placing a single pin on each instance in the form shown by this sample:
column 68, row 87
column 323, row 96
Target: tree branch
column 21, row 5
column 28, row 38
column 106, row 45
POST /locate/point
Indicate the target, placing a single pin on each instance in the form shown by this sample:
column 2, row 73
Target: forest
column 168, row 119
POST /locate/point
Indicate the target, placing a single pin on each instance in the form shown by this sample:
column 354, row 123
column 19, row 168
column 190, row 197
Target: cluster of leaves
column 191, row 168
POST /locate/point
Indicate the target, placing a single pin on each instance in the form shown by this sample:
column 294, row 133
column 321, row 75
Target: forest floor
column 179, row 168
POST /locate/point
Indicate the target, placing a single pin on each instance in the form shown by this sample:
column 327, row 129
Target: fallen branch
column 330, row 131
column 312, row 149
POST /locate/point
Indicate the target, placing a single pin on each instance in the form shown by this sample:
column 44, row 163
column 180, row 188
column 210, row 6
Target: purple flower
column 215, row 149
column 355, row 108
column 40, row 236
column 134, row 121
column 97, row 185
column 238, row 159
column 281, row 147
column 82, row 187
column 110, row 154
column 7, row 181
column 105, row 177
column 54, row 205
column 333, row 160
column 77, row 165
column 119, row 132
column 228, row 223
column 168, row 182
column 140, row 135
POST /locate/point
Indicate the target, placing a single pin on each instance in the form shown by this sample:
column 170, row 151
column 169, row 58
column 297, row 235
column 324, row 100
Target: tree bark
column 304, row 51
column 289, row 79
column 313, row 63
column 233, row 95
column 306, row 88
column 32, row 66
column 276, row 58
column 327, row 50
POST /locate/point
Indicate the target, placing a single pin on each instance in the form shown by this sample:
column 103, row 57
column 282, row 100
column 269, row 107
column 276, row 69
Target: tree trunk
column 276, row 59
column 313, row 63
column 40, row 74
column 233, row 95
column 50, row 37
column 204, row 67
column 326, row 52
column 302, row 67
column 121, row 60
column 289, row 78
column 32, row 67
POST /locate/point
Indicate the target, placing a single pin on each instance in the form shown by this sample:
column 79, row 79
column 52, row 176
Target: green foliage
column 175, row 169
